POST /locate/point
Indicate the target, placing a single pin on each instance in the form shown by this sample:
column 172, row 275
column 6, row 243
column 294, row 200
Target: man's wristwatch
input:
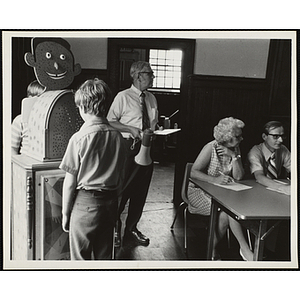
column 237, row 157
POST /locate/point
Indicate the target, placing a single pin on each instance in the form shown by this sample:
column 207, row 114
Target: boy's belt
column 96, row 193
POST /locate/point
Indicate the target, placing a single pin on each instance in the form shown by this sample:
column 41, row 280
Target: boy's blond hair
column 93, row 96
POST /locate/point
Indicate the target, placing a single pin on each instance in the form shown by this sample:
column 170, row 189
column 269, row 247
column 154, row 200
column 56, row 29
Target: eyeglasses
column 149, row 73
column 277, row 136
column 239, row 136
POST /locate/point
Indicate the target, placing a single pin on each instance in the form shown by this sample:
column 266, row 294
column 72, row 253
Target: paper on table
column 279, row 181
column 235, row 186
column 166, row 131
column 278, row 191
column 127, row 135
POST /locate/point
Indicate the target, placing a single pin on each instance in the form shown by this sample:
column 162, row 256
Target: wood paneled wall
column 22, row 74
column 207, row 99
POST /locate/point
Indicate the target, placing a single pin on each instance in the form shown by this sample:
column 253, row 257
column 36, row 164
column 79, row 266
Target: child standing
column 94, row 163
column 19, row 139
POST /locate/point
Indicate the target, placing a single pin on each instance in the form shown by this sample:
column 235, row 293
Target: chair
column 184, row 205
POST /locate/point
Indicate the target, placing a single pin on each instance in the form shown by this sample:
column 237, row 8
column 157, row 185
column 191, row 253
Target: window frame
column 172, row 89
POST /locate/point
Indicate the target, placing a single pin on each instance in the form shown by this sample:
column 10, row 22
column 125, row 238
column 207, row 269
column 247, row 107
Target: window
column 166, row 65
column 182, row 50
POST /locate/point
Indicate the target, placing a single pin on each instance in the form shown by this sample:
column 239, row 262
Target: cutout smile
column 56, row 76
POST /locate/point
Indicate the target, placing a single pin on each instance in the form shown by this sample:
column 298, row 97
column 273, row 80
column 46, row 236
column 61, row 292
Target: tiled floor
column 156, row 221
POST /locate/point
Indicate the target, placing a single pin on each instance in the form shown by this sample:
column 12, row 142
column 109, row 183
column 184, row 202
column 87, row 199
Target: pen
column 232, row 180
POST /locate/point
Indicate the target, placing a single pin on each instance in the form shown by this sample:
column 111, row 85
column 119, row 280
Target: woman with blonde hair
column 220, row 162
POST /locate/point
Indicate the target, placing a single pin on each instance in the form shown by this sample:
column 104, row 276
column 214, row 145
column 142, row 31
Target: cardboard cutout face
column 53, row 63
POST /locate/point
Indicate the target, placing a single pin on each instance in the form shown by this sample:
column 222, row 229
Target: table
column 256, row 204
column 165, row 144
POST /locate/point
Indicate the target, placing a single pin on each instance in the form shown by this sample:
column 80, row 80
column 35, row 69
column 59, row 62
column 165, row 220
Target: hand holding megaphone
column 135, row 133
column 143, row 157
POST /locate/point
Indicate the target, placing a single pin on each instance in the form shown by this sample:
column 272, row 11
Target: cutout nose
column 55, row 65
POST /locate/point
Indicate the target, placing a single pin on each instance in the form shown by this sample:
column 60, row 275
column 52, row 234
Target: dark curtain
column 22, row 74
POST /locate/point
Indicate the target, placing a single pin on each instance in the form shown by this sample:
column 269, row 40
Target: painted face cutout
column 53, row 65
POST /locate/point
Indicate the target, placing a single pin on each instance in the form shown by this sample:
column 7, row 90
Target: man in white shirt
column 269, row 161
column 271, row 151
column 131, row 116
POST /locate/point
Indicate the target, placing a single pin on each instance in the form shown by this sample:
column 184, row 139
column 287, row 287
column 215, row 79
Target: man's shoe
column 138, row 237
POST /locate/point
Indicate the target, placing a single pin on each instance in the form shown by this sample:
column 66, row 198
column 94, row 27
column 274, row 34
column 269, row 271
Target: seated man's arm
column 287, row 160
column 264, row 180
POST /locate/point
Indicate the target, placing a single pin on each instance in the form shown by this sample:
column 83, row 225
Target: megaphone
column 143, row 157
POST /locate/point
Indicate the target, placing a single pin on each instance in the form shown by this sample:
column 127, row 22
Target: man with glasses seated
column 271, row 160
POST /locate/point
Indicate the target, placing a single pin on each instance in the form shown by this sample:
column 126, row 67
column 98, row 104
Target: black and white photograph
column 150, row 150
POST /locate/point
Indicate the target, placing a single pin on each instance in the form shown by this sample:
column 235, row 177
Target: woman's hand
column 223, row 179
column 221, row 150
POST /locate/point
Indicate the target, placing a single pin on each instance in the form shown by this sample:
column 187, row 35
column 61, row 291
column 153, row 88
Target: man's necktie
column 146, row 122
column 272, row 170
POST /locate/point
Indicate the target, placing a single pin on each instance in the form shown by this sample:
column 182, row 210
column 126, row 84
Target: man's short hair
column 271, row 125
column 137, row 67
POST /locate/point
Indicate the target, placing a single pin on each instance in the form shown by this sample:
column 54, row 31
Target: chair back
column 185, row 182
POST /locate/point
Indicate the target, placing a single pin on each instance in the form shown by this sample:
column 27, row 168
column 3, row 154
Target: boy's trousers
column 91, row 225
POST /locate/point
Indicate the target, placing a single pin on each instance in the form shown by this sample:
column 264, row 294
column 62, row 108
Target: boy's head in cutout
column 53, row 62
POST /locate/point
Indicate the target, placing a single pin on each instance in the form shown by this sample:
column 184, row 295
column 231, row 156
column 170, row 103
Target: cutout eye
column 48, row 55
column 62, row 57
